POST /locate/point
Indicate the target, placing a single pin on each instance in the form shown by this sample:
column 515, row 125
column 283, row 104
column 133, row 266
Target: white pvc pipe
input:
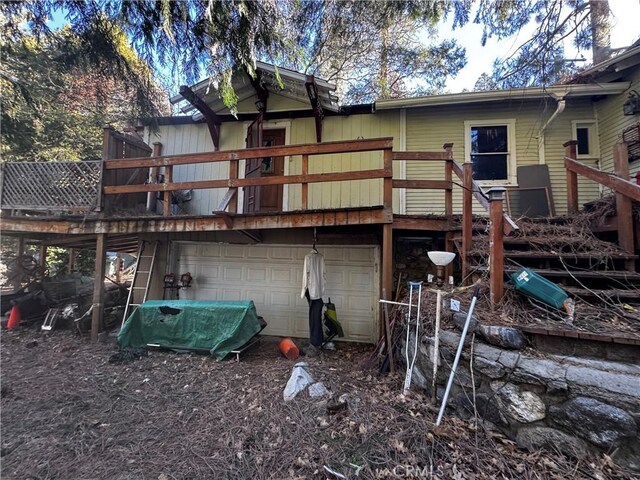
column 407, row 378
column 457, row 359
column 436, row 345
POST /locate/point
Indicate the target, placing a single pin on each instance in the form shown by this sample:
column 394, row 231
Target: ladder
column 141, row 275
column 50, row 319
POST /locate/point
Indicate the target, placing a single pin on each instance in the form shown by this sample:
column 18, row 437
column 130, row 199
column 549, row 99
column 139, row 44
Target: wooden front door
column 264, row 198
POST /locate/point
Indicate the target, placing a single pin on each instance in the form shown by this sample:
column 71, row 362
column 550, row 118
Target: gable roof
column 612, row 69
column 281, row 81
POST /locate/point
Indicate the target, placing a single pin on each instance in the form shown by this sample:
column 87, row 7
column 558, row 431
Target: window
column 490, row 147
column 584, row 131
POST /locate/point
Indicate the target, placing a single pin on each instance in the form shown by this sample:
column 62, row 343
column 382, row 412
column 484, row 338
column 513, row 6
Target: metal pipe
column 458, row 354
column 436, row 345
column 407, row 379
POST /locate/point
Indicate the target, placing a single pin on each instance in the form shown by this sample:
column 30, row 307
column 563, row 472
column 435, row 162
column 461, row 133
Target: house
column 238, row 198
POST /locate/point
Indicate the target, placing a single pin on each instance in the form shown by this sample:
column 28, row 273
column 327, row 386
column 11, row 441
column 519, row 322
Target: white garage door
column 271, row 276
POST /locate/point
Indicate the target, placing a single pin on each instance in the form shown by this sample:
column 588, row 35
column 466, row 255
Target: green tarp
column 218, row 327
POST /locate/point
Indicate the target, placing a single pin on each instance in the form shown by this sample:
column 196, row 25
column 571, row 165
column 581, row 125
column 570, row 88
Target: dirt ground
column 67, row 413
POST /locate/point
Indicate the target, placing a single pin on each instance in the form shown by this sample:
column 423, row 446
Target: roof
column 292, row 86
column 612, row 68
column 554, row 91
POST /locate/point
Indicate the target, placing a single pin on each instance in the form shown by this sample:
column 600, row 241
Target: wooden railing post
column 168, row 179
column 624, row 207
column 467, row 219
column 448, row 177
column 305, row 186
column 153, row 178
column 233, row 175
column 387, row 186
column 496, row 245
column 571, row 151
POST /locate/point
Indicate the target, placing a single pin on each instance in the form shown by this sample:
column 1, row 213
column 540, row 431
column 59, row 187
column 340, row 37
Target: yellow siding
column 611, row 123
column 428, row 129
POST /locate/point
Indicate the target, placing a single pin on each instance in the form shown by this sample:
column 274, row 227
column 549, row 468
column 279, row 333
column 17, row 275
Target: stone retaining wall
column 571, row 404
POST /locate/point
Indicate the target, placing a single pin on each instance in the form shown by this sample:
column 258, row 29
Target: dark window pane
column 489, row 167
column 583, row 140
column 489, row 139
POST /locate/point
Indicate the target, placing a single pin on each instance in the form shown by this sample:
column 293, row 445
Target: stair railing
column 625, row 191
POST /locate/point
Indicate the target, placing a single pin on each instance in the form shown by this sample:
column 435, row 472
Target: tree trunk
column 600, row 30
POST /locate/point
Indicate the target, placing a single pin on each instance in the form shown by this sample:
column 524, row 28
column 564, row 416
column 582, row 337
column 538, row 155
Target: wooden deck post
column 387, row 260
column 448, row 177
column 624, row 207
column 234, row 166
column 496, row 245
column 42, row 255
column 98, row 286
column 71, row 261
column 571, row 151
column 467, row 219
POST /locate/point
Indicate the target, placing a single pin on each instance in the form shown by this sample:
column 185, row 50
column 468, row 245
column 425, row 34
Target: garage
column 271, row 276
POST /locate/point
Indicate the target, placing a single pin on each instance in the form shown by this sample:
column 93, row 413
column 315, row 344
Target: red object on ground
column 289, row 349
column 14, row 317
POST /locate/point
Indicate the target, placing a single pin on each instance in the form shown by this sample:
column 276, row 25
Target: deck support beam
column 387, row 261
column 213, row 120
column 624, row 206
column 312, row 91
column 98, row 286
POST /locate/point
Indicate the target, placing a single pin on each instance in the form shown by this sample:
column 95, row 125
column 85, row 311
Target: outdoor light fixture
column 169, row 280
column 632, row 105
column 496, row 193
column 185, row 280
column 260, row 105
column 441, row 260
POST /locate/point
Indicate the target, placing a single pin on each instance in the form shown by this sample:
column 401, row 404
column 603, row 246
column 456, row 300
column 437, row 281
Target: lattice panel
column 50, row 185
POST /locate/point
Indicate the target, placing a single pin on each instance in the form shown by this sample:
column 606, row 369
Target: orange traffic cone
column 14, row 317
column 289, row 349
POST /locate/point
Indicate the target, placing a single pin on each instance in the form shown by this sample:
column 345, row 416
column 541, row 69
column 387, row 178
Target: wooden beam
column 387, row 186
column 416, row 222
column 247, row 182
column 261, row 92
column 348, row 146
column 312, row 92
column 426, row 184
column 509, row 225
column 624, row 206
column 467, row 220
column 159, row 224
column 619, row 185
column 213, row 121
column 71, row 260
column 224, row 203
column 98, row 286
column 570, row 150
column 387, row 260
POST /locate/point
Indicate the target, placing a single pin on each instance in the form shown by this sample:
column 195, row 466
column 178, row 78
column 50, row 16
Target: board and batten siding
column 611, row 123
column 429, row 128
column 195, row 138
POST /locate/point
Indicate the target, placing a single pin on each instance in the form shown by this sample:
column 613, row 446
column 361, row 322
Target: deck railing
column 625, row 191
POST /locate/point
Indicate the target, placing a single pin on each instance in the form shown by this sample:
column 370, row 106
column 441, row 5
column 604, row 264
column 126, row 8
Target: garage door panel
column 271, row 276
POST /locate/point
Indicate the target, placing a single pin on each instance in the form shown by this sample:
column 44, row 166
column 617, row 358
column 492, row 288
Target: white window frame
column 594, row 143
column 512, row 164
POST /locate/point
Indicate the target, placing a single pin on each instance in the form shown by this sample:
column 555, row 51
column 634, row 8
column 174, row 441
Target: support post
column 72, row 260
column 571, row 151
column 467, row 219
column 98, row 286
column 20, row 245
column 42, row 255
column 305, row 186
column 496, row 245
column 153, row 178
column 387, row 260
column 624, row 207
column 233, row 175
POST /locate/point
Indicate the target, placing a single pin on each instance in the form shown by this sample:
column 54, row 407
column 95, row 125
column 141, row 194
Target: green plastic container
column 531, row 284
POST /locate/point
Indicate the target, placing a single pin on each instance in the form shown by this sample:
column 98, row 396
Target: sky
column 625, row 30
